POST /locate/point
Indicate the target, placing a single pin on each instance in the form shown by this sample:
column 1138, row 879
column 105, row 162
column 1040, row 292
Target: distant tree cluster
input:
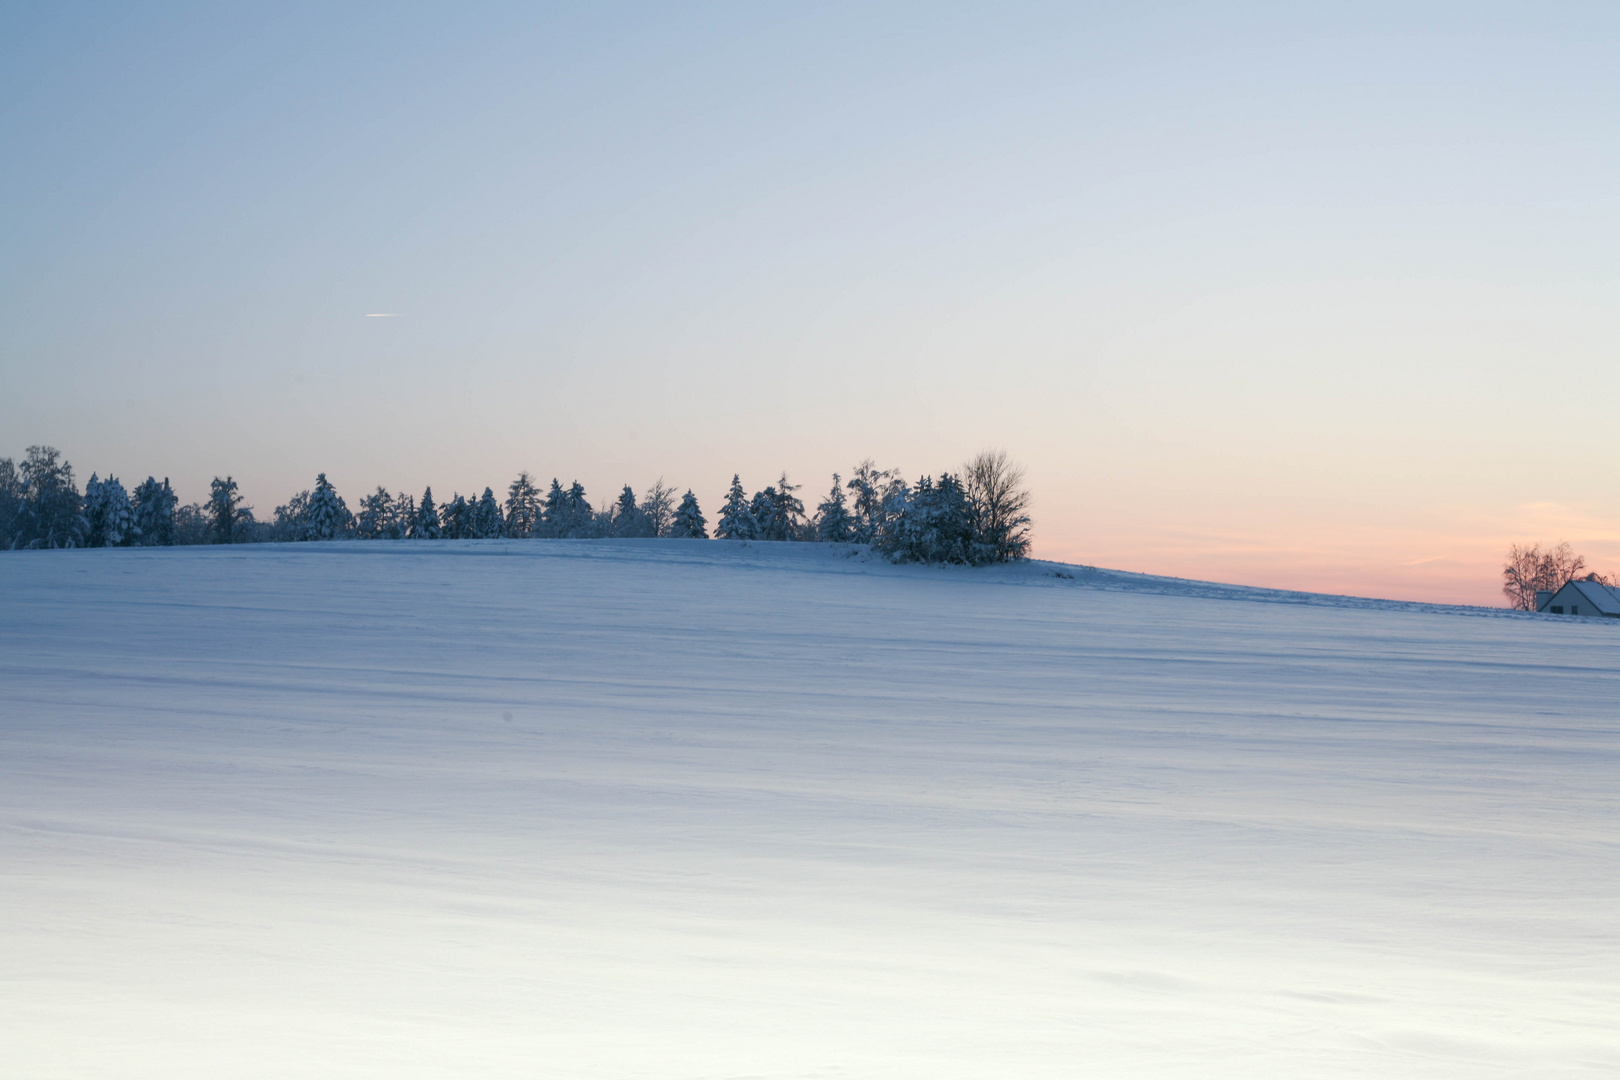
column 978, row 515
column 1529, row 570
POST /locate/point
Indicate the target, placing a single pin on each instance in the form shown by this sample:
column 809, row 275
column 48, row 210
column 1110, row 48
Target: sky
column 1313, row 299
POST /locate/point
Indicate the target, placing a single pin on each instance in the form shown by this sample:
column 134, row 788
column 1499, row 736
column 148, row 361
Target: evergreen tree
column 554, row 512
column 871, row 486
column 737, row 521
column 404, row 517
column 688, row 521
column 787, row 512
column 329, row 516
column 11, row 504
column 523, row 507
column 578, row 519
column 375, row 521
column 229, row 522
column 628, row 518
column 292, row 518
column 109, row 520
column 759, row 508
column 426, row 524
column 52, row 514
column 456, row 518
column 487, row 522
column 832, row 516
column 935, row 525
column 154, row 512
column 777, row 512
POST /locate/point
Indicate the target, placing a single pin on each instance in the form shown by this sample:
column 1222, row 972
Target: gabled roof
column 1604, row 599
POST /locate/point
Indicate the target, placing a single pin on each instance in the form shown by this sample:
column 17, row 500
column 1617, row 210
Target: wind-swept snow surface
column 686, row 809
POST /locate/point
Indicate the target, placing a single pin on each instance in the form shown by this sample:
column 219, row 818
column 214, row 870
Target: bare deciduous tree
column 1530, row 569
column 999, row 501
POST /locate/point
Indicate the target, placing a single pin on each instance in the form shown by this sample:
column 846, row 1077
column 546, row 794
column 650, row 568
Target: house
column 1580, row 598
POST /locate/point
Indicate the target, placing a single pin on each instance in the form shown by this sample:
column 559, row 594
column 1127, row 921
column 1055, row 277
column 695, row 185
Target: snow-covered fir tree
column 487, row 522
column 229, row 522
column 292, row 518
column 870, row 486
column 554, row 511
column 760, row 509
column 110, row 522
column 425, row 525
column 154, row 505
column 578, row 520
column 456, row 518
column 48, row 511
column 832, row 516
column 328, row 517
column 688, row 521
column 737, row 521
column 375, row 521
column 403, row 517
column 11, row 504
column 779, row 513
column 628, row 519
column 523, row 507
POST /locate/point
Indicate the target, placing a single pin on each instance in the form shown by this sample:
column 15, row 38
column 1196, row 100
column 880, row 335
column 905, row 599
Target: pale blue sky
column 1294, row 298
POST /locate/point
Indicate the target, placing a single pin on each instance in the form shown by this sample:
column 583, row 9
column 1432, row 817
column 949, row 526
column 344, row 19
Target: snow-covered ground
column 682, row 809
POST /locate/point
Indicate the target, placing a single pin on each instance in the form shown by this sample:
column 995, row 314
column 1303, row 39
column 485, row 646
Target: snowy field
column 680, row 809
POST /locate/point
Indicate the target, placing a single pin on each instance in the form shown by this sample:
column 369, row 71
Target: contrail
column 382, row 314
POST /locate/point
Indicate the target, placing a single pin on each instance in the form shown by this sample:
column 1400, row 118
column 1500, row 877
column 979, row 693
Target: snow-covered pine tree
column 52, row 513
column 628, row 519
column 92, row 510
column 292, row 518
column 554, row 511
column 154, row 505
column 523, row 507
column 688, row 521
column 934, row 526
column 579, row 520
column 832, row 516
column 425, row 526
column 762, row 508
column 870, row 484
column 455, row 518
column 107, row 513
column 11, row 504
column 376, row 517
column 487, row 522
column 229, row 522
column 403, row 517
column 787, row 512
column 329, row 517
column 736, row 520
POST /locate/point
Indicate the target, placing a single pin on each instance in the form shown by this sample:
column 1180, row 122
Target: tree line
column 1529, row 569
column 977, row 515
